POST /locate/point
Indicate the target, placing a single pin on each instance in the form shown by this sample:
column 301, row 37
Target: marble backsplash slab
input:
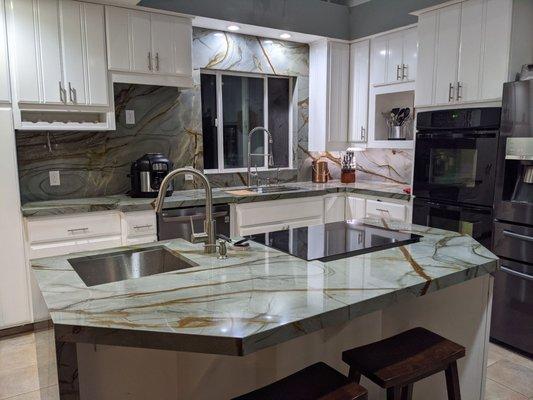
column 168, row 120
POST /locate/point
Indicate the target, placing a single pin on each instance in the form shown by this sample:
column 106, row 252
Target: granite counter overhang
column 254, row 299
column 190, row 198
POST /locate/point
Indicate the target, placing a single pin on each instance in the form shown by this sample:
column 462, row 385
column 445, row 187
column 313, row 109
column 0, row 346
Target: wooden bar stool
column 398, row 362
column 316, row 382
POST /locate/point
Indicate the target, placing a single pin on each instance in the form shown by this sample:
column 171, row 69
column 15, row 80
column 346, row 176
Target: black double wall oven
column 455, row 170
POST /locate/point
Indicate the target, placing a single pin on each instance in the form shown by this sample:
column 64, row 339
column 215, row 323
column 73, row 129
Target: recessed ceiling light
column 219, row 34
column 285, row 35
column 233, row 28
column 268, row 42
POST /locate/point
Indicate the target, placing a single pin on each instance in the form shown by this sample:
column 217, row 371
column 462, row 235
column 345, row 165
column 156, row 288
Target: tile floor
column 509, row 375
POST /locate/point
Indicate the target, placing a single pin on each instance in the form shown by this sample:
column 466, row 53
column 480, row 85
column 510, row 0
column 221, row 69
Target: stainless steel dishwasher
column 175, row 223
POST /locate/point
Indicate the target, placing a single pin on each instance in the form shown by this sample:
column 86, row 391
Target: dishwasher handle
column 516, row 273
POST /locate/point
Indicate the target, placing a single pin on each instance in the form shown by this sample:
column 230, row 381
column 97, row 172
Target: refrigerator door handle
column 517, row 236
column 516, row 273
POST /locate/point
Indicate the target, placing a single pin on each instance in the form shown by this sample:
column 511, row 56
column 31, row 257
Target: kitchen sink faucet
column 250, row 154
column 209, row 225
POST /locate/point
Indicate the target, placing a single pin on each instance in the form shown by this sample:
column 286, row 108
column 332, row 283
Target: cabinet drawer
column 244, row 231
column 73, row 227
column 278, row 212
column 51, row 249
column 141, row 223
column 139, row 240
column 376, row 208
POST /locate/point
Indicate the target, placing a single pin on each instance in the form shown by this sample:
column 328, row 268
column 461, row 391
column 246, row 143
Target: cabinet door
column 95, row 55
column 72, row 31
column 468, row 75
column 5, row 95
column 410, row 54
column 394, row 57
column 447, row 51
column 359, row 71
column 141, row 44
column 355, row 208
column 50, row 52
column 427, row 37
column 163, row 44
column 182, row 46
column 497, row 33
column 334, row 208
column 118, row 38
column 338, row 79
column 378, row 60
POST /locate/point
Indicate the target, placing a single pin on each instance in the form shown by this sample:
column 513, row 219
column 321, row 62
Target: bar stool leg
column 394, row 393
column 452, row 382
column 407, row 392
column 354, row 375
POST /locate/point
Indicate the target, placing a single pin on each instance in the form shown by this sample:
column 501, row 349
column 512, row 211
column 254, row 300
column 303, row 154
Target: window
column 232, row 105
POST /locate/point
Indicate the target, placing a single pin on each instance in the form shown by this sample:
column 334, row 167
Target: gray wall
column 305, row 16
column 382, row 15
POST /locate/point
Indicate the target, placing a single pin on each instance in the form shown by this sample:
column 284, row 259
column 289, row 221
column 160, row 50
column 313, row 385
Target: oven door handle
column 516, row 273
column 517, row 236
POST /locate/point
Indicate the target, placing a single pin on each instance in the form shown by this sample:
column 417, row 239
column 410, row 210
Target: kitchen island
column 224, row 327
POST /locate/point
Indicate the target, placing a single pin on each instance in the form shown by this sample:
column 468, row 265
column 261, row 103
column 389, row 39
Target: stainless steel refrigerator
column 512, row 312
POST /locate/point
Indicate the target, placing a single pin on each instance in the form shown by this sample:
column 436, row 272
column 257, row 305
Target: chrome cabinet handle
column 157, row 61
column 382, row 210
column 518, row 236
column 142, row 226
column 150, row 60
column 72, row 94
column 62, row 93
column 398, row 76
column 363, row 133
column 450, row 92
column 516, row 273
column 404, row 69
column 74, row 230
column 459, row 91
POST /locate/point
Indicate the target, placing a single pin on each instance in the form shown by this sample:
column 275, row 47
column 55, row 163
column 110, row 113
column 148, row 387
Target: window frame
column 220, row 121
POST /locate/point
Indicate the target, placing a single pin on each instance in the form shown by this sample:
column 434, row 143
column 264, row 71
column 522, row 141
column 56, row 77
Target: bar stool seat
column 316, row 382
column 397, row 362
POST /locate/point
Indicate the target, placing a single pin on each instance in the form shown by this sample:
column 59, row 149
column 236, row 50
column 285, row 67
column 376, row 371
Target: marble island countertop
column 256, row 298
column 189, row 198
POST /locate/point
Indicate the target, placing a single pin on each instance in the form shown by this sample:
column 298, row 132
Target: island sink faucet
column 209, row 225
column 250, row 154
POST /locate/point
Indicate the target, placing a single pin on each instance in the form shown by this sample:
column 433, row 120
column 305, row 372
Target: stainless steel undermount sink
column 274, row 189
column 129, row 264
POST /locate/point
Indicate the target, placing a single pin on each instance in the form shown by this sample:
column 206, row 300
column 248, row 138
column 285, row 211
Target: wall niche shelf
column 382, row 100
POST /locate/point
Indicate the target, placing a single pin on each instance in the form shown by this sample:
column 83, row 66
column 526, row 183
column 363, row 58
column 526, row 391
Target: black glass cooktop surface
column 334, row 240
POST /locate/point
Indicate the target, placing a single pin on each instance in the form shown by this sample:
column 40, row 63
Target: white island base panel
column 460, row 313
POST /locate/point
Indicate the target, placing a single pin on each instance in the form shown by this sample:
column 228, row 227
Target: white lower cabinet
column 355, row 207
column 382, row 209
column 52, row 236
column 139, row 227
column 334, row 207
column 268, row 216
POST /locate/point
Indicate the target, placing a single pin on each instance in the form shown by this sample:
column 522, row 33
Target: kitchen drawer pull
column 142, row 226
column 517, row 236
column 74, row 230
column 382, row 210
column 516, row 273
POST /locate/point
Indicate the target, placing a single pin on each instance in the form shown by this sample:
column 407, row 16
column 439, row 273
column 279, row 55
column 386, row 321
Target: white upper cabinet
column 57, row 52
column 329, row 79
column 5, row 94
column 148, row 47
column 463, row 52
column 359, row 79
column 394, row 57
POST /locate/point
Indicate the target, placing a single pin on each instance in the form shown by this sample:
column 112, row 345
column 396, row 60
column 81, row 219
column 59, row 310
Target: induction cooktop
column 334, row 241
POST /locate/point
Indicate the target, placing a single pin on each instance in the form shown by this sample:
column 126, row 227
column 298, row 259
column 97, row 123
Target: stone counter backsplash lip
column 191, row 198
column 253, row 299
